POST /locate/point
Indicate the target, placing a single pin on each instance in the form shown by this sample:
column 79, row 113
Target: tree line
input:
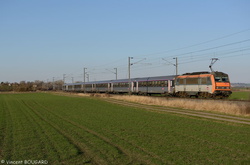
column 24, row 86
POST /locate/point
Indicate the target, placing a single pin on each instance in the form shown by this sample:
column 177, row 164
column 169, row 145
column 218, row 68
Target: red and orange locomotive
column 203, row 84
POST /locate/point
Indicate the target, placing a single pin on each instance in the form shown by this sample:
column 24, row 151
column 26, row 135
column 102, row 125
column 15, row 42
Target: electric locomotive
column 203, row 84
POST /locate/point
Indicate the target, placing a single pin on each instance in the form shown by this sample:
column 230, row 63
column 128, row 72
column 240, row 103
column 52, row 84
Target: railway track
column 193, row 113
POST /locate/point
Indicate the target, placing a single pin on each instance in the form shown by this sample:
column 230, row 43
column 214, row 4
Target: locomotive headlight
column 222, row 87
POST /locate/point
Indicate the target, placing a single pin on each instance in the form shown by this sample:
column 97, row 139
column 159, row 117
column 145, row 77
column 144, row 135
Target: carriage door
column 135, row 87
column 132, row 86
column 169, row 84
column 110, row 87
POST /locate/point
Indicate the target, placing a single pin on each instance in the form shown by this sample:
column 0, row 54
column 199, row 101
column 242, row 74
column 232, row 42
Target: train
column 195, row 84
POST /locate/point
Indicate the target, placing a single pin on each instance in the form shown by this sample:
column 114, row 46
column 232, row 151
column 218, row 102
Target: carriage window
column 190, row 81
column 149, row 83
column 209, row 81
column 144, row 84
column 163, row 83
column 140, row 84
column 153, row 83
column 177, row 81
column 180, row 81
column 77, row 86
column 101, row 85
column 88, row 86
column 204, row 81
column 157, row 83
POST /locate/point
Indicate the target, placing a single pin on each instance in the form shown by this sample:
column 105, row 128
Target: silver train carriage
column 142, row 86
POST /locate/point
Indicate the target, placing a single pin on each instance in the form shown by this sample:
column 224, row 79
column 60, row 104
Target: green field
column 74, row 130
column 240, row 95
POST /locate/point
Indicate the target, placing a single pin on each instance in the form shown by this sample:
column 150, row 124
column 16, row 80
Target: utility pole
column 64, row 75
column 72, row 79
column 53, row 83
column 129, row 80
column 84, row 73
column 87, row 77
column 130, row 64
column 176, row 65
column 115, row 73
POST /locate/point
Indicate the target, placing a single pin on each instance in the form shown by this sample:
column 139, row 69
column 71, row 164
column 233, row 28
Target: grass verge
column 221, row 106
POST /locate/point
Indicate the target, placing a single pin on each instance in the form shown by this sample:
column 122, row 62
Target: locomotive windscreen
column 221, row 77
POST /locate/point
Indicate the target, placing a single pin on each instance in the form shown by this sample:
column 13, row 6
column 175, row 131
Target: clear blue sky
column 43, row 39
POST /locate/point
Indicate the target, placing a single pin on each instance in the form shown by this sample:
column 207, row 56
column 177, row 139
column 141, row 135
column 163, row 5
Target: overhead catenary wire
column 219, row 38
column 198, row 44
column 184, row 58
column 197, row 58
column 211, row 48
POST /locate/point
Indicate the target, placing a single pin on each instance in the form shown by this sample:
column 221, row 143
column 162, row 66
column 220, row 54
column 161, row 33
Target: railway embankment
column 231, row 107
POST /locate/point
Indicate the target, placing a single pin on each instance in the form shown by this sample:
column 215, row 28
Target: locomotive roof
column 214, row 73
column 195, row 73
